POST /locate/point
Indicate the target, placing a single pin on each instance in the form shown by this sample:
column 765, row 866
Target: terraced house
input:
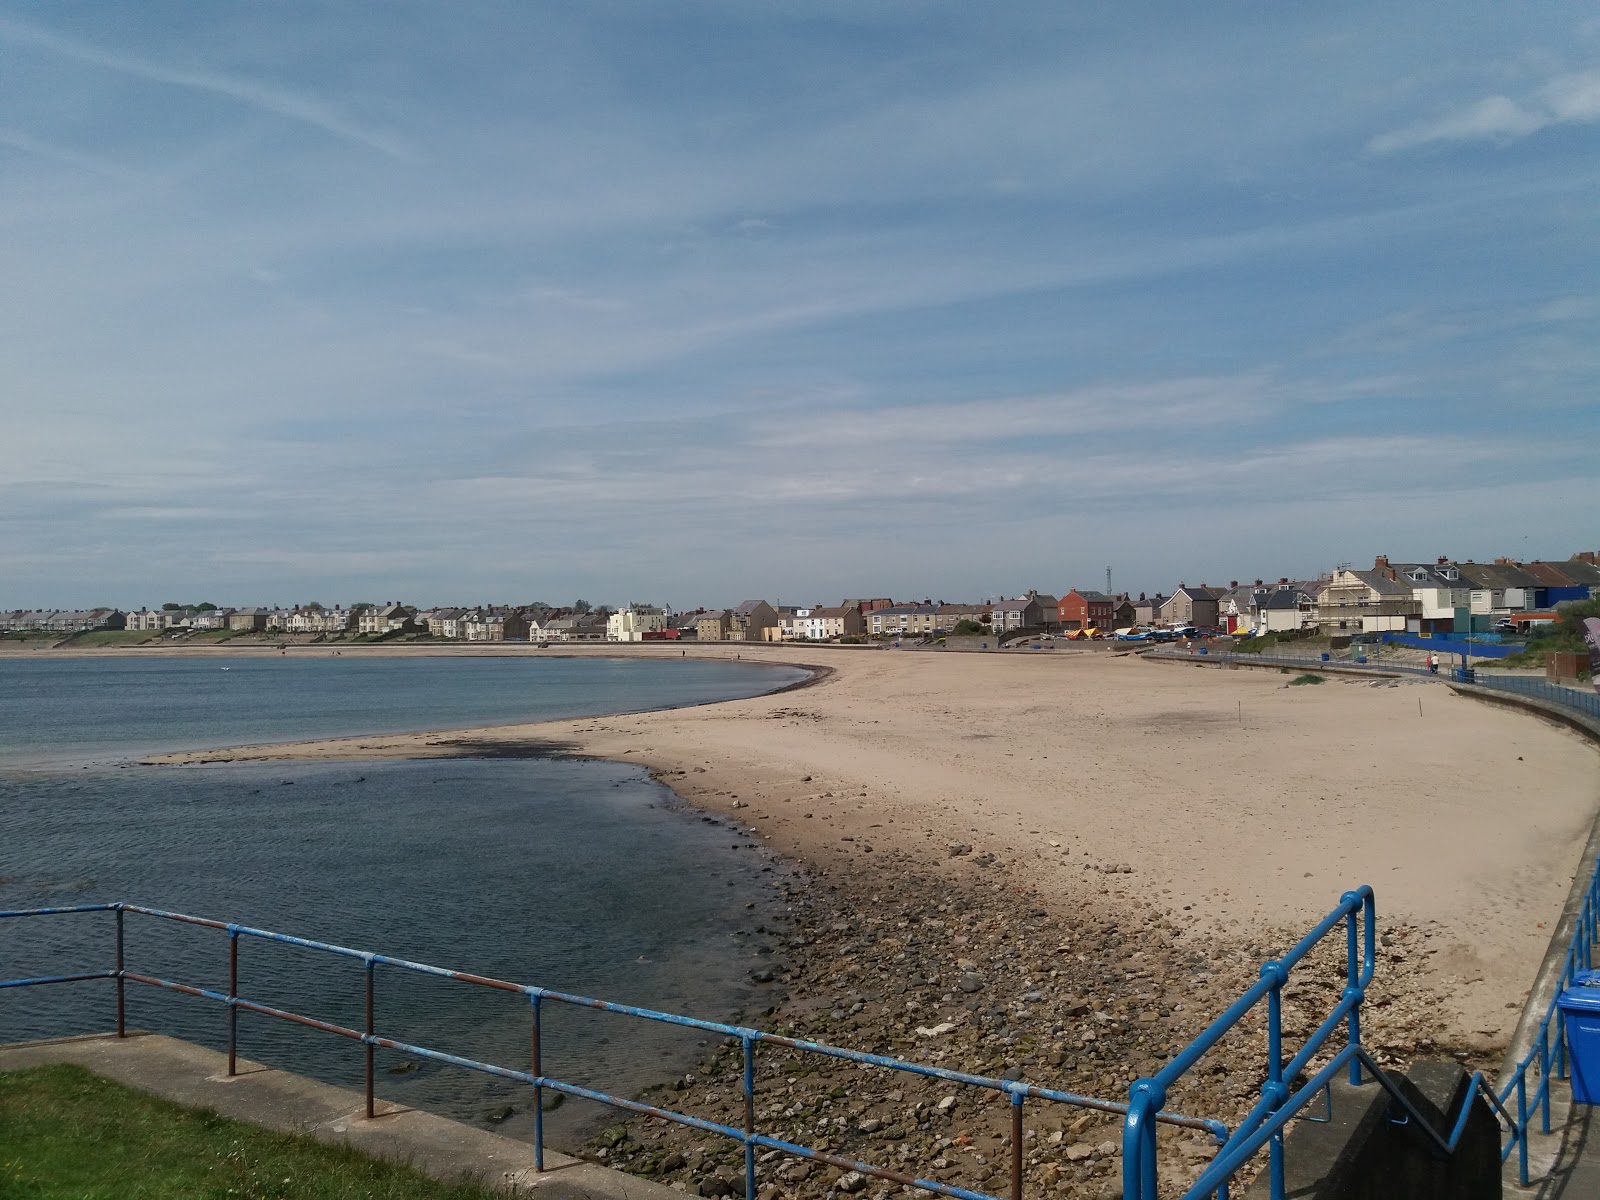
column 913, row 620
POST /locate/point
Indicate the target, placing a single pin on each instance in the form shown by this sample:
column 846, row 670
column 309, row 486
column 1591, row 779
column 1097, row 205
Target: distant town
column 1431, row 598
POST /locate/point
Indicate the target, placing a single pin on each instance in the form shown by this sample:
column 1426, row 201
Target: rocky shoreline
column 979, row 975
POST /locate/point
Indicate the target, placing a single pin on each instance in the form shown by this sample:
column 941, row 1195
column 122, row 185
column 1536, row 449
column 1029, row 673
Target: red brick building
column 1085, row 610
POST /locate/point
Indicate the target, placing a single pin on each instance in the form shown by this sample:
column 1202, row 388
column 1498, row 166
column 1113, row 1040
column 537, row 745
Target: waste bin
column 1361, row 658
column 1580, row 1013
column 1465, row 674
column 1326, row 656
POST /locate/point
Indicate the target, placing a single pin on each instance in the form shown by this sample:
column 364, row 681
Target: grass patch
column 1297, row 639
column 1298, row 680
column 109, row 637
column 67, row 1133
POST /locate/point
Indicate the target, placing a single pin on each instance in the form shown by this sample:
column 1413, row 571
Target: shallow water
column 581, row 876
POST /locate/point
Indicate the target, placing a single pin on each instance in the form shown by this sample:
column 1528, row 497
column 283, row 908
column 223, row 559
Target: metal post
column 749, row 1117
column 1273, row 1089
column 1544, row 1077
column 370, row 1032
column 122, row 1025
column 1522, row 1127
column 1016, row 1146
column 233, row 995
column 1352, row 982
column 538, row 1092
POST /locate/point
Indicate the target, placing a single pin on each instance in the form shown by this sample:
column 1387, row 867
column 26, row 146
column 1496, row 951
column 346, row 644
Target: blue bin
column 1580, row 1013
column 1466, row 674
column 1326, row 656
column 1203, row 650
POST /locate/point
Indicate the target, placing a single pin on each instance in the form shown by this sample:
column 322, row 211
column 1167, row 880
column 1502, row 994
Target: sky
column 697, row 302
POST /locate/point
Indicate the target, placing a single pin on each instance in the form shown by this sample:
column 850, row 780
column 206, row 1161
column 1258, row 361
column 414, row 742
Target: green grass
column 109, row 637
column 1303, row 679
column 67, row 1133
column 1268, row 641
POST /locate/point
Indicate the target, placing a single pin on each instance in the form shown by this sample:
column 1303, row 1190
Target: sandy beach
column 1105, row 783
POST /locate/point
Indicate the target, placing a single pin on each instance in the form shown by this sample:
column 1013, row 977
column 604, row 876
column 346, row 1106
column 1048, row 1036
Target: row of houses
column 1438, row 597
column 1449, row 597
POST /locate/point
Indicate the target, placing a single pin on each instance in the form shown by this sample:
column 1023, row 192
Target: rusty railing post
column 368, row 1038
column 538, row 1089
column 233, row 1001
column 1016, row 1146
column 122, row 1024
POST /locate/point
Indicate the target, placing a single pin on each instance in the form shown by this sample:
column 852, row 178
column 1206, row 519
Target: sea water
column 582, row 876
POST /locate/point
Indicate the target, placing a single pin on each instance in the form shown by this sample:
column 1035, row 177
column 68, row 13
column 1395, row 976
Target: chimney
column 1258, row 583
column 1442, row 560
column 1586, row 556
column 1381, row 563
column 1502, row 562
column 1233, row 583
column 1283, row 581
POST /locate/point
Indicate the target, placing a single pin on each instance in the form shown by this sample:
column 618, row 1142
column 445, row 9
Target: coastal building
column 204, row 619
column 1374, row 601
column 62, row 620
column 750, row 621
column 1087, row 609
column 868, row 606
column 248, row 620
column 1146, row 609
column 149, row 619
column 838, row 621
column 496, row 623
column 631, row 624
column 904, row 620
column 1286, row 608
column 1236, row 608
column 1575, row 579
column 713, row 626
column 1023, row 612
column 445, row 623
column 951, row 615
column 1189, row 606
column 385, row 618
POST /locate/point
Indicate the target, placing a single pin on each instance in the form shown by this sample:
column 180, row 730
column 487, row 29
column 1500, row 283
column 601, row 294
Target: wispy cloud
column 295, row 106
column 1569, row 99
column 860, row 288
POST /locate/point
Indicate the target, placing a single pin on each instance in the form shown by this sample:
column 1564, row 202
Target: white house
column 631, row 624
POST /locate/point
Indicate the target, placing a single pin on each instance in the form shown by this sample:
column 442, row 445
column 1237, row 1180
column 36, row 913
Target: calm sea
column 582, row 876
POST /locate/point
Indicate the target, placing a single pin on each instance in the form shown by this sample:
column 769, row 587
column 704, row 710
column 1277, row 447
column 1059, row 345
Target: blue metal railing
column 1264, row 1123
column 1551, row 1054
column 1015, row 1091
column 1262, row 1126
column 1587, row 702
column 1575, row 698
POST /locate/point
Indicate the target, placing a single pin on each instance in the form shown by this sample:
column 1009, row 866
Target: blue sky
column 692, row 302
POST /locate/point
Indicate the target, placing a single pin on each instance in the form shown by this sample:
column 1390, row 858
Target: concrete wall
column 1361, row 1154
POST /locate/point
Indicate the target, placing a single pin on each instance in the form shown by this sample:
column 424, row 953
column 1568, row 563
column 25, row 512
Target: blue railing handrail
column 1267, row 1118
column 1552, row 1058
column 1015, row 1090
column 1569, row 697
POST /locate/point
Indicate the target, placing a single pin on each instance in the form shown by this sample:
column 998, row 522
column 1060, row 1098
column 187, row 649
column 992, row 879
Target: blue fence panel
column 1473, row 646
column 1574, row 698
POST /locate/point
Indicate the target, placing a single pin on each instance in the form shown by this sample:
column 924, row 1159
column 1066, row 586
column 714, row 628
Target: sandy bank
column 1221, row 797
